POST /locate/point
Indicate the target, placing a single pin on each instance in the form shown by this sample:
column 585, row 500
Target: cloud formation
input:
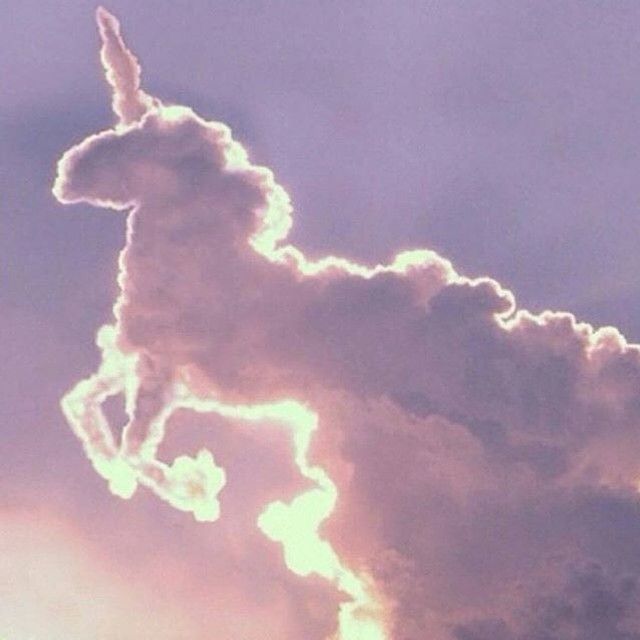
column 463, row 455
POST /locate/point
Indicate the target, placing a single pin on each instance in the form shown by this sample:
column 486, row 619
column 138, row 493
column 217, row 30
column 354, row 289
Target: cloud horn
column 122, row 71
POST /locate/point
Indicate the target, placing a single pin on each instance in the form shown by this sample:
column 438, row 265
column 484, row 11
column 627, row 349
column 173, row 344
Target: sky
column 433, row 449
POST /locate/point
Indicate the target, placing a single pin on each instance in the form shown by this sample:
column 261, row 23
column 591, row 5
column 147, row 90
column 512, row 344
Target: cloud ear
column 122, row 71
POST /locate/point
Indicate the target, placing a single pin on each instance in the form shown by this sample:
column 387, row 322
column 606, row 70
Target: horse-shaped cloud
column 218, row 313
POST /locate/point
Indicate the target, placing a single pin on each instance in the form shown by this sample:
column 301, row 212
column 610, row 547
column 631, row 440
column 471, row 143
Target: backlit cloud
column 460, row 455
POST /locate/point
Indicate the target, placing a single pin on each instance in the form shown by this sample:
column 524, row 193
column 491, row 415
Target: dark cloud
column 590, row 605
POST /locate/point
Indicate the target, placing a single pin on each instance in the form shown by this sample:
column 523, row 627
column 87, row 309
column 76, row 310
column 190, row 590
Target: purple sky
column 502, row 134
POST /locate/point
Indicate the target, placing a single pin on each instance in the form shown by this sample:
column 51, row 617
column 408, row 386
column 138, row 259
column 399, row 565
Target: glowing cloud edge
column 193, row 484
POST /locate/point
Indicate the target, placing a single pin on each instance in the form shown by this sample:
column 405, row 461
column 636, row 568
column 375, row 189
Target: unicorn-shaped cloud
column 439, row 407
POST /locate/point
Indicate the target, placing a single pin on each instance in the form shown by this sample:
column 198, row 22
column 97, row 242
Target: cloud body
column 463, row 454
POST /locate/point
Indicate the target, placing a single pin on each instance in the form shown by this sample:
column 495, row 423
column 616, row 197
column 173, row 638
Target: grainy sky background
column 503, row 134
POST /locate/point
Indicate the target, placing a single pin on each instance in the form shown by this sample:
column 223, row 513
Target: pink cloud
column 473, row 450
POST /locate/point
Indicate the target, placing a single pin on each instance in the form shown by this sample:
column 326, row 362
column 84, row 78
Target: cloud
column 460, row 451
column 136, row 580
column 591, row 605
